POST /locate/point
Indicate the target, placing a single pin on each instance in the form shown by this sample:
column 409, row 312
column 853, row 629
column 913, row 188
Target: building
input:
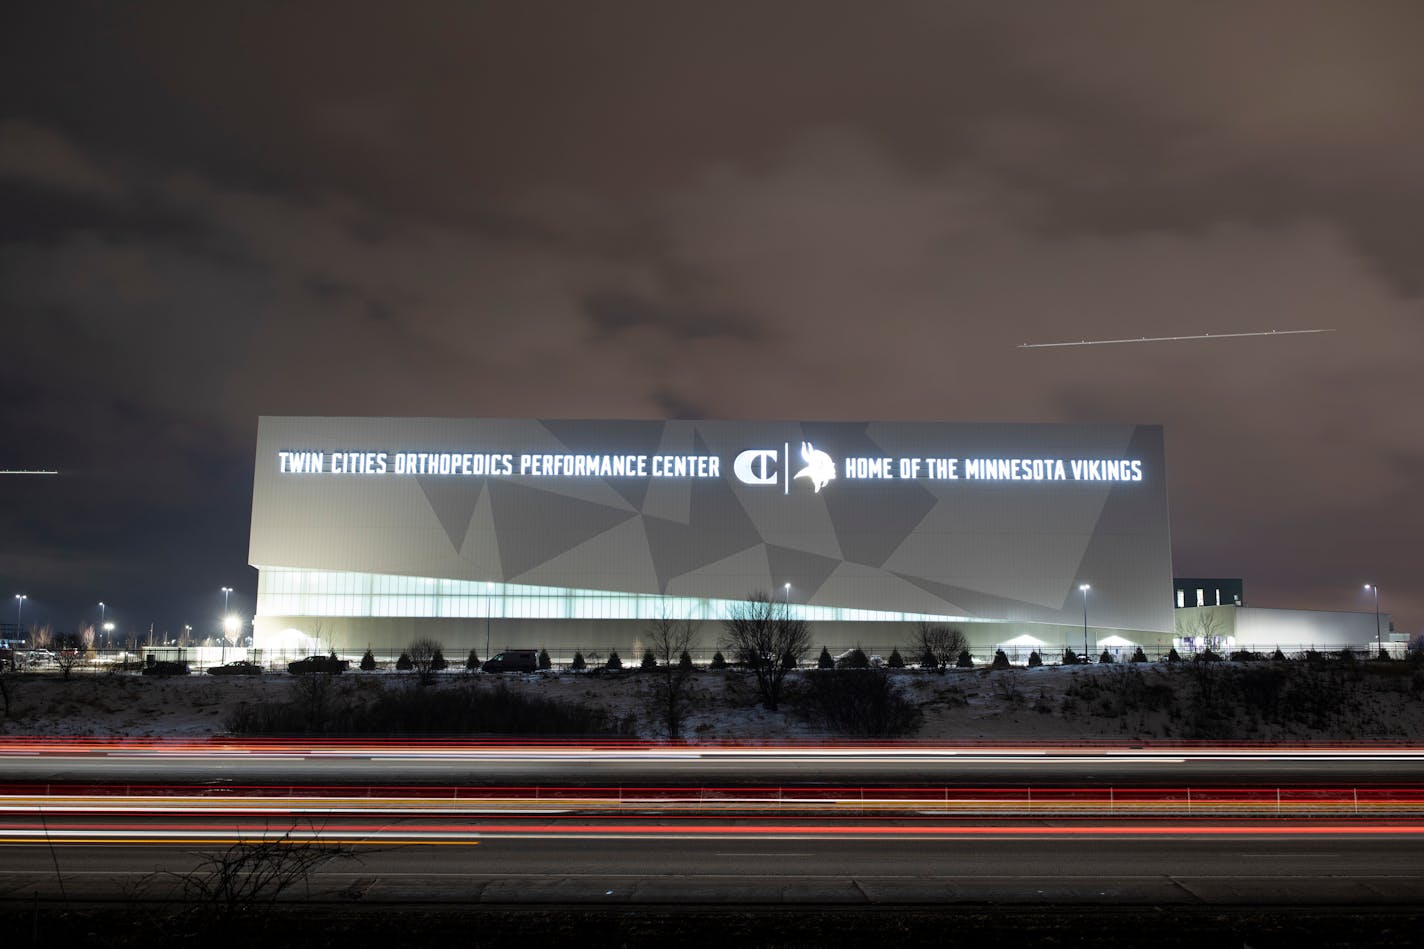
column 1211, row 614
column 1226, row 629
column 565, row 535
column 1216, row 591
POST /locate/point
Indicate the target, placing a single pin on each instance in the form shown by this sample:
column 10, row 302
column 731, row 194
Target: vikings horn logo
column 820, row 469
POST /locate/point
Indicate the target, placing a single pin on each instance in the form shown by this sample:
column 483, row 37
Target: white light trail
column 1168, row 339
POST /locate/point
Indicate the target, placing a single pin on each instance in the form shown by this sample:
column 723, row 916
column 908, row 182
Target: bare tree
column 942, row 643
column 763, row 637
column 1203, row 622
column 669, row 695
column 67, row 659
column 41, row 637
column 422, row 654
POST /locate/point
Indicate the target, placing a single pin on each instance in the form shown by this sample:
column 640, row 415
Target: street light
column 1379, row 641
column 1085, row 588
column 231, row 624
column 20, row 599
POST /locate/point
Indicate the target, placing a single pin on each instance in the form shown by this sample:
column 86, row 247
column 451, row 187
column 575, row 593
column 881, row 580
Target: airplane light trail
column 1167, row 339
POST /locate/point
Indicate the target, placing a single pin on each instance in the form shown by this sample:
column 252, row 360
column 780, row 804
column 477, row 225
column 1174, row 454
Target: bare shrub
column 251, row 875
column 862, row 703
column 423, row 654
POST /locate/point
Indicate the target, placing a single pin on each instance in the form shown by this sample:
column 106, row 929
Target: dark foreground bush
column 1070, row 658
column 579, row 664
column 719, row 661
column 965, row 661
column 896, row 661
column 1034, row 660
column 1138, row 655
column 1001, row 660
column 1105, row 658
column 861, row 703
column 464, row 710
column 368, row 661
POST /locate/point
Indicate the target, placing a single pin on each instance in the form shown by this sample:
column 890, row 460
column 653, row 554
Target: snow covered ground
column 1120, row 701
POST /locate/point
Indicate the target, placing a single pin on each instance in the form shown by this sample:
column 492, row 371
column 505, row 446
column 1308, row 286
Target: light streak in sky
column 1167, row 339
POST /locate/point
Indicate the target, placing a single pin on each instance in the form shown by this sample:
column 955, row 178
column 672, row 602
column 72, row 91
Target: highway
column 612, row 764
column 532, row 861
column 587, row 823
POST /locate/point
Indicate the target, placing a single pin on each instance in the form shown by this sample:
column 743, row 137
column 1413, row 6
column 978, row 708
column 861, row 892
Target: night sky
column 211, row 211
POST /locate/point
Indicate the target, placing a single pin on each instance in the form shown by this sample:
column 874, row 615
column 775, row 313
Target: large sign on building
column 966, row 520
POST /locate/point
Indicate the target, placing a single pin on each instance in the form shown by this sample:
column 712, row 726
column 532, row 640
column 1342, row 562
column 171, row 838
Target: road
column 449, row 763
column 697, row 862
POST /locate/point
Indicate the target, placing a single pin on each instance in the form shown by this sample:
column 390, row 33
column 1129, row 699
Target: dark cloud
column 648, row 209
column 613, row 312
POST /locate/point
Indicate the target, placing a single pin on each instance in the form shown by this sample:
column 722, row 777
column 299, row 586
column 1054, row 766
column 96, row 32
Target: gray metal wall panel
column 1005, row 549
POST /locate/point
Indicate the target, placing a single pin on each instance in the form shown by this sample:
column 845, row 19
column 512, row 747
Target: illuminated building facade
column 573, row 534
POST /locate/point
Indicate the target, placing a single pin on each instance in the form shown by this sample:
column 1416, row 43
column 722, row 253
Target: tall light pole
column 226, row 592
column 1085, row 588
column 1379, row 641
column 231, row 626
column 20, row 599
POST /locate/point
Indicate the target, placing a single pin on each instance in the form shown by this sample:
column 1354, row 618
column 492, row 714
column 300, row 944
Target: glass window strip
column 292, row 592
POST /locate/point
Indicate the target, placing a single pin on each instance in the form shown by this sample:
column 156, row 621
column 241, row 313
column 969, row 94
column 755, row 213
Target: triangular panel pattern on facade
column 480, row 548
column 533, row 526
column 718, row 526
column 452, row 500
column 804, row 571
column 869, row 528
column 961, row 601
column 618, row 558
column 671, row 498
column 603, row 437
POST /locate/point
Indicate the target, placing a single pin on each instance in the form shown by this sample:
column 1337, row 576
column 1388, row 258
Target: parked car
column 165, row 667
column 514, row 660
column 328, row 664
column 238, row 667
column 40, row 657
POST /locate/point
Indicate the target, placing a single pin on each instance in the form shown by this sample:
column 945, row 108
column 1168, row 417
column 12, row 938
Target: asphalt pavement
column 730, row 868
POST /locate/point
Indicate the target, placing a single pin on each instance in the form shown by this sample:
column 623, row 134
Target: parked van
column 514, row 660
